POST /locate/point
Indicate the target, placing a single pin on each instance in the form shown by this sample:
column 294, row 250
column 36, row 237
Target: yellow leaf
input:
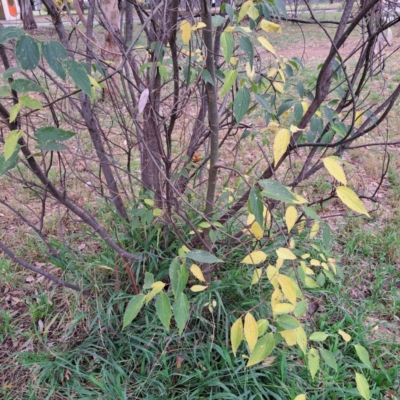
column 198, row 288
column 287, row 288
column 256, row 276
column 290, row 337
column 292, row 243
column 351, row 200
column 314, row 229
column 294, row 129
column 281, row 143
column 358, row 120
column 276, row 297
column 325, row 266
column 253, row 12
column 186, row 30
column 236, row 335
column 156, row 288
column 309, row 271
column 282, row 75
column 299, row 199
column 305, row 106
column 255, row 257
column 278, row 87
column 301, row 339
column 290, row 217
column 315, row 263
column 309, row 282
column 279, row 262
column 233, row 60
column 301, row 225
column 264, row 42
column 250, row 331
column 285, row 254
column 94, row 82
column 243, row 10
column 272, row 72
column 335, row 169
column 282, row 308
column 256, row 230
column 199, row 25
column 270, row 26
column 250, row 71
column 196, row 271
column 333, row 266
column 272, row 275
column 346, row 337
column 305, row 256
column 262, row 325
column 300, row 397
column 229, row 29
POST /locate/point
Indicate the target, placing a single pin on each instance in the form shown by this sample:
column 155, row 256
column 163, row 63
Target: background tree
column 27, row 17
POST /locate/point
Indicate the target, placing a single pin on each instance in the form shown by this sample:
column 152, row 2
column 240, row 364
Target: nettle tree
column 147, row 120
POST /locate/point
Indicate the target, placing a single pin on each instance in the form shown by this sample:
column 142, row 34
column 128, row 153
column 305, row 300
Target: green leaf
column 133, row 308
column 229, row 80
column 27, row 52
column 263, row 103
column 262, row 350
column 178, row 275
column 148, row 280
column 318, row 336
column 207, row 77
column 229, row 11
column 79, row 75
column 53, row 52
column 11, row 32
column 202, row 256
column 310, row 212
column 248, row 48
column 181, row 311
column 10, row 163
column 241, row 104
column 30, row 102
column 50, row 133
column 326, row 235
column 25, row 86
column 5, row 91
column 217, row 20
column 288, row 322
column 227, row 45
column 284, row 107
column 163, row 308
column 362, row 386
column 276, row 191
column 163, row 72
column 256, row 205
column 11, row 143
column 16, row 108
column 313, row 362
column 10, row 71
column 300, row 309
column 329, row 358
column 363, row 355
column 51, row 146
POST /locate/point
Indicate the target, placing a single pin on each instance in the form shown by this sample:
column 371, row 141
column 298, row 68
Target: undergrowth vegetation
column 207, row 208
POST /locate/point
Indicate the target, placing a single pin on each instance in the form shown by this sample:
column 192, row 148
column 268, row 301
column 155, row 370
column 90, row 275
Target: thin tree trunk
column 213, row 121
column 27, row 17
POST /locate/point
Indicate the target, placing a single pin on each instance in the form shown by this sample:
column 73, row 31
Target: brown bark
column 27, row 17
